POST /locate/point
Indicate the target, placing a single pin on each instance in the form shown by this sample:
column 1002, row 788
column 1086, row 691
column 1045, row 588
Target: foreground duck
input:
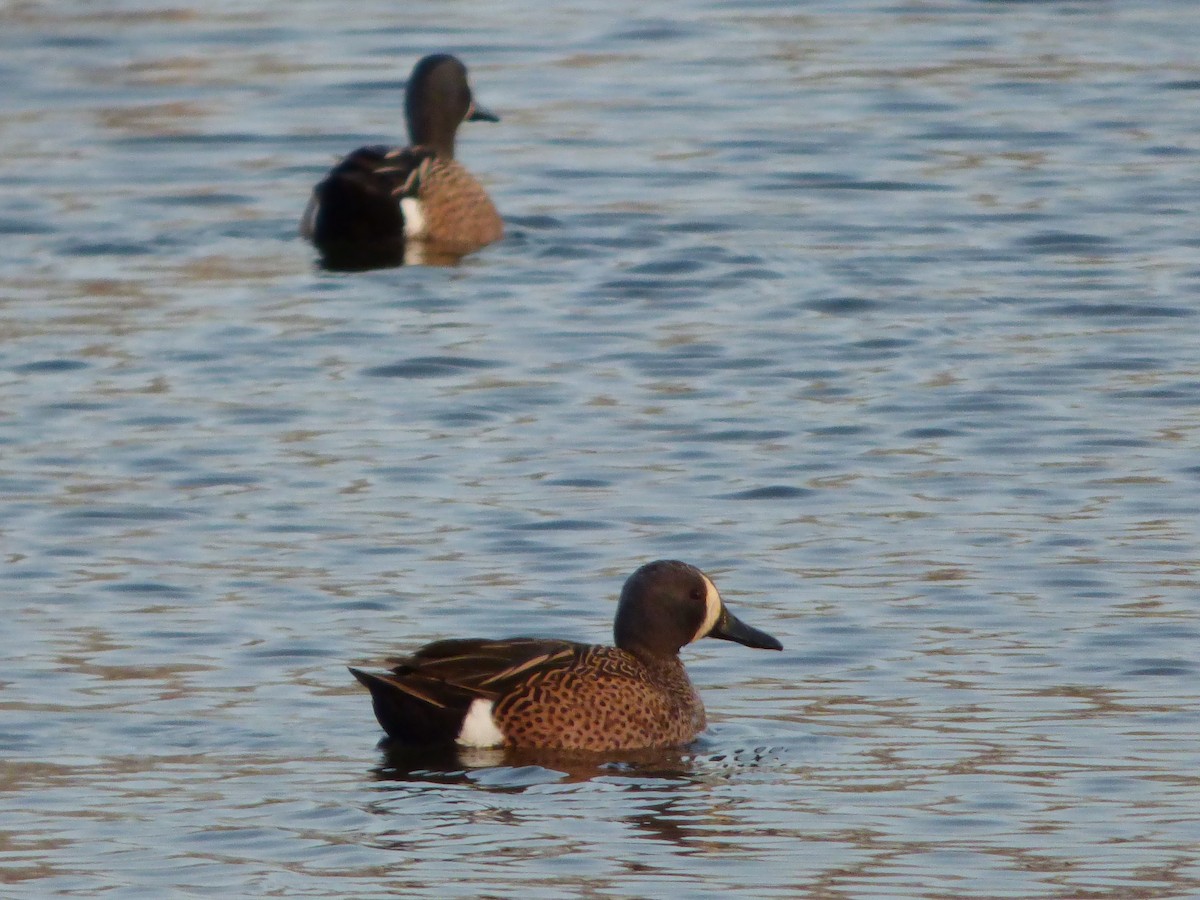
column 560, row 695
column 379, row 201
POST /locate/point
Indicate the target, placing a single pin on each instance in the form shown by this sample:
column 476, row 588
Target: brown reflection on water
column 156, row 120
column 1094, row 701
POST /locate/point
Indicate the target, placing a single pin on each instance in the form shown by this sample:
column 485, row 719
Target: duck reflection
column 386, row 254
column 662, row 796
column 516, row 768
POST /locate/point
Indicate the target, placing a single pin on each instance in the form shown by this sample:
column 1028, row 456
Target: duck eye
column 697, row 594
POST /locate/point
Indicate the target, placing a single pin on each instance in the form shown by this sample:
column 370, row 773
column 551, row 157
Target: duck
column 379, row 201
column 546, row 694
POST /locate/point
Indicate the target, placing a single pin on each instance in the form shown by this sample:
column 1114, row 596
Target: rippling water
column 884, row 314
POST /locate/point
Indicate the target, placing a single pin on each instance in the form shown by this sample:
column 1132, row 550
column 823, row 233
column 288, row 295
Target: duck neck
column 433, row 127
column 442, row 148
column 668, row 666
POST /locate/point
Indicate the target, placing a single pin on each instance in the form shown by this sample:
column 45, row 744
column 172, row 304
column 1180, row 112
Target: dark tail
column 412, row 717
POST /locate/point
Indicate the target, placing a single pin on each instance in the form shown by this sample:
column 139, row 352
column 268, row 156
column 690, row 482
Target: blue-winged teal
column 378, row 199
column 560, row 695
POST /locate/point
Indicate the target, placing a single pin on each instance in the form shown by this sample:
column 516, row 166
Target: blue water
column 884, row 315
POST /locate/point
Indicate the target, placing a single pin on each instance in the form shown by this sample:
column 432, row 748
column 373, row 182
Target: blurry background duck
column 387, row 206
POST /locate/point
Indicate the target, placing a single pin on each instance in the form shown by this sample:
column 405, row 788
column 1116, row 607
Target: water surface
column 882, row 314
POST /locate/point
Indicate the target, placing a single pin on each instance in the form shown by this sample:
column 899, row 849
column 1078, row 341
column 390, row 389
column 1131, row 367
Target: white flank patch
column 479, row 728
column 713, row 607
column 414, row 218
column 414, row 253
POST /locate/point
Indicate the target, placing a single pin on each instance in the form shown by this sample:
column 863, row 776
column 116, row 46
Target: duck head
column 438, row 100
column 668, row 604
